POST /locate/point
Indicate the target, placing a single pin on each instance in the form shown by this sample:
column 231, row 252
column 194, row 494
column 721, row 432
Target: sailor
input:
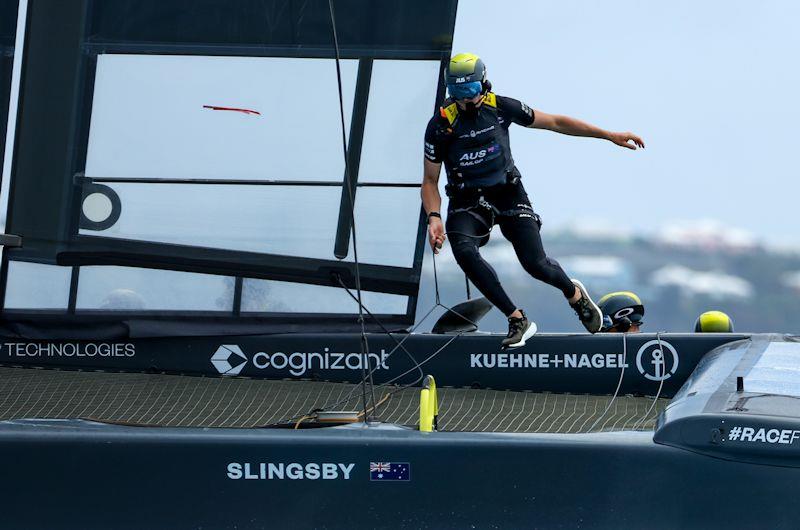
column 713, row 322
column 469, row 135
column 622, row 312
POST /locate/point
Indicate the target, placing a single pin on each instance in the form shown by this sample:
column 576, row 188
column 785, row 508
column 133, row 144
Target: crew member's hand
column 623, row 139
column 436, row 235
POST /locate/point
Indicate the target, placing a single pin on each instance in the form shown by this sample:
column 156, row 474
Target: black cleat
column 519, row 330
column 588, row 312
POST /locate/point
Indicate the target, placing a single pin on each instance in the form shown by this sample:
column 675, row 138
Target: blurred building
column 713, row 284
column 595, row 230
column 706, row 234
column 600, row 273
column 792, row 280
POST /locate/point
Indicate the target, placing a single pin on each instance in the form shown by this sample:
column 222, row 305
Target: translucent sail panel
column 135, row 289
column 287, row 220
column 401, row 99
column 387, row 224
column 261, row 296
column 37, row 286
column 175, row 116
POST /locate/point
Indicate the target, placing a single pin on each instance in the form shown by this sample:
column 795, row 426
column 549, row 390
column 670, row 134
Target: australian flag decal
column 390, row 471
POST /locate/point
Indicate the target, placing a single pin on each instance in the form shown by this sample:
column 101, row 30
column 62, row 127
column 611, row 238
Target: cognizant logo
column 229, row 359
column 297, row 363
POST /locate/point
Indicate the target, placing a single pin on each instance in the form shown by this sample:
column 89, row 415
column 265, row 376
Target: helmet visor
column 465, row 90
column 622, row 323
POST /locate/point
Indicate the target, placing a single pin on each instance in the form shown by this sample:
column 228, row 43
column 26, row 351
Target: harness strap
column 450, row 112
column 522, row 210
column 512, row 177
column 471, row 211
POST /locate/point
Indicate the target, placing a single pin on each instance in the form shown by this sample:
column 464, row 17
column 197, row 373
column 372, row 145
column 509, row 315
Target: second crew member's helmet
column 713, row 322
column 465, row 76
column 621, row 310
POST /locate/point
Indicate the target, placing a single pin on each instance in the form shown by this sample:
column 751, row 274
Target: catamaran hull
column 73, row 474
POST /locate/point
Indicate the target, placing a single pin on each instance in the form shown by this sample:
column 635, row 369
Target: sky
column 712, row 88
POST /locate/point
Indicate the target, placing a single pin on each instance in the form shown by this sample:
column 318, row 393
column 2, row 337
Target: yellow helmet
column 713, row 322
column 465, row 76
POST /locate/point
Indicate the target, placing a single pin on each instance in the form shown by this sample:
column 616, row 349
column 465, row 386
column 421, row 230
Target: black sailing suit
column 484, row 188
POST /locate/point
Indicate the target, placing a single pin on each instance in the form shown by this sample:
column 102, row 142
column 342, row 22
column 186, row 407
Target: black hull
column 724, row 455
column 77, row 475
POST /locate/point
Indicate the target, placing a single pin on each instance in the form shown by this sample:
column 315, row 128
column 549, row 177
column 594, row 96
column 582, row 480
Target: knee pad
column 538, row 268
column 464, row 249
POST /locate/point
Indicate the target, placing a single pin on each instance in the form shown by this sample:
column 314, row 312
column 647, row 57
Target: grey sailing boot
column 519, row 330
column 588, row 312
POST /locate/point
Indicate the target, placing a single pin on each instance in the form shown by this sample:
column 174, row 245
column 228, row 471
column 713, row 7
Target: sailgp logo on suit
column 657, row 360
column 229, row 359
column 473, row 133
column 474, row 158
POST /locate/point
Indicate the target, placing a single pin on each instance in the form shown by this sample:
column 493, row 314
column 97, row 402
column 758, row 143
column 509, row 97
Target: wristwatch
column 434, row 214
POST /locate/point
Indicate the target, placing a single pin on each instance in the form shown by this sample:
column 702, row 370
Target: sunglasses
column 621, row 326
column 465, row 90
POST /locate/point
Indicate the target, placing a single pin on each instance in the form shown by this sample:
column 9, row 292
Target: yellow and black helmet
column 713, row 322
column 621, row 310
column 465, row 76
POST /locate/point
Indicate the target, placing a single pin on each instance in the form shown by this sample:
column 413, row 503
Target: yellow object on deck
column 428, row 406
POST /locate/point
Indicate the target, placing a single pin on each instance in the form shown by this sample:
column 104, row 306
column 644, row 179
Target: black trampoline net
column 189, row 401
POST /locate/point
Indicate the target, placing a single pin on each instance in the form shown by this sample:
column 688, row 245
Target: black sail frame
column 63, row 41
column 8, row 23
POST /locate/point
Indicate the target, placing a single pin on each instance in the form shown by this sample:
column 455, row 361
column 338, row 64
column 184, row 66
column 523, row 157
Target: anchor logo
column 657, row 360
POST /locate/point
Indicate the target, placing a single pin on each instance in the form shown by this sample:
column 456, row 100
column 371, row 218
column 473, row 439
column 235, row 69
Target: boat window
column 401, row 101
column 253, row 118
column 133, row 289
column 288, row 220
column 285, row 297
column 37, row 286
column 386, row 225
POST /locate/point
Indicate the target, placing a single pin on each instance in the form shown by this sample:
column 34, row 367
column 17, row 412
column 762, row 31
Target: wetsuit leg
column 464, row 230
column 523, row 233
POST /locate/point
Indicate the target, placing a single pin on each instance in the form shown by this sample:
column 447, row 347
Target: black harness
column 481, row 204
column 478, row 153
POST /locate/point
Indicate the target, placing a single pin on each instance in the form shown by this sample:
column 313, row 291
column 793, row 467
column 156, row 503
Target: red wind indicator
column 232, row 109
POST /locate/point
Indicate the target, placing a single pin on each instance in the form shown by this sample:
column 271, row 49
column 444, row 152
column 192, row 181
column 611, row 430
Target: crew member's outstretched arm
column 432, row 202
column 573, row 127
